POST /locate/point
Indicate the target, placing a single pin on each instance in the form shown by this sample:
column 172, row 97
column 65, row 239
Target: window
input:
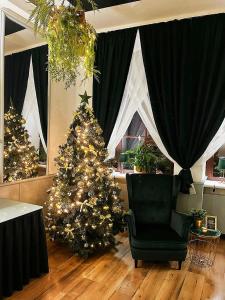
column 137, row 151
column 212, row 170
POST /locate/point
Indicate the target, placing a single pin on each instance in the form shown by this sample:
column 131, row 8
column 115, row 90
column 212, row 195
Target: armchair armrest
column 181, row 223
column 130, row 219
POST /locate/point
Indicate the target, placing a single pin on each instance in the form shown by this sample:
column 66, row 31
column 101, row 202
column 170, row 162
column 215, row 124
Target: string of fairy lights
column 20, row 157
column 84, row 208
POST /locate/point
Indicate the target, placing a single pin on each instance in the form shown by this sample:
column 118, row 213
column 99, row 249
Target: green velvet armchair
column 156, row 231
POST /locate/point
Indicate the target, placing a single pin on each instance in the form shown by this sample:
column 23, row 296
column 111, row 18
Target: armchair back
column 152, row 197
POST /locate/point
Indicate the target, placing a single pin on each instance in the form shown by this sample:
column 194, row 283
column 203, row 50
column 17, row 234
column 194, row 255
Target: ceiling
column 116, row 17
column 21, row 40
column 152, row 11
column 142, row 12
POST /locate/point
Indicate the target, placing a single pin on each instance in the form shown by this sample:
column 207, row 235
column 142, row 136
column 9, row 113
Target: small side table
column 202, row 247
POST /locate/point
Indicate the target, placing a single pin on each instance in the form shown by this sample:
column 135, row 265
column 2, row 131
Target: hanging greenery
column 70, row 38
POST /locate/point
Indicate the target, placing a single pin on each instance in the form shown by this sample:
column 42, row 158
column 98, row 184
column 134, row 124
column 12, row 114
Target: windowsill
column 214, row 184
column 208, row 183
column 117, row 174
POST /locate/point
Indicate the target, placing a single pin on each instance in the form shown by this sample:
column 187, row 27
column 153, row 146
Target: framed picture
column 211, row 222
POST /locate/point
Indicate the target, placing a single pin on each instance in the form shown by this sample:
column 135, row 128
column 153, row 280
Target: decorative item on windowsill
column 71, row 40
column 124, row 161
column 198, row 217
column 143, row 159
column 112, row 164
column 221, row 166
column 147, row 158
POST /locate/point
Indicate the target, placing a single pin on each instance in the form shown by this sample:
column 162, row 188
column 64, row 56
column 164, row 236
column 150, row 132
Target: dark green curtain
column 185, row 68
column 113, row 56
column 40, row 64
column 16, row 77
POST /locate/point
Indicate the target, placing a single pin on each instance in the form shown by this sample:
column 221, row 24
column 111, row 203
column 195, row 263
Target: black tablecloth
column 23, row 251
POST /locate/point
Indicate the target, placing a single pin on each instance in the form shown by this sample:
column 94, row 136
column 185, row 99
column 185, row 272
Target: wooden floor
column 113, row 276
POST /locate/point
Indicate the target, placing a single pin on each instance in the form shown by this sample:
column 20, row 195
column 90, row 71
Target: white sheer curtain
column 135, row 98
column 215, row 144
column 31, row 113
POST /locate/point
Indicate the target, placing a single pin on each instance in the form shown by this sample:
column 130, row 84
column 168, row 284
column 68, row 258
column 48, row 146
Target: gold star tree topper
column 84, row 98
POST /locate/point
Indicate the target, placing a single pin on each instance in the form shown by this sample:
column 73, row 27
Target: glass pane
column 214, row 166
column 138, row 152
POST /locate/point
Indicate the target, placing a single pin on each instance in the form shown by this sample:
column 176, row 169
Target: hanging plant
column 70, row 38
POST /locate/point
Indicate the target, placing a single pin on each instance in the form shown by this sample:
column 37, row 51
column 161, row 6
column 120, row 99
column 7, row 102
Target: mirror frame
column 5, row 12
column 2, row 71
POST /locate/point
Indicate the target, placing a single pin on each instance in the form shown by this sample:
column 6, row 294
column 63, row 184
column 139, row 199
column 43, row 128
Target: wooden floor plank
column 192, row 287
column 111, row 275
column 79, row 287
column 132, row 281
column 168, row 286
column 106, row 282
column 177, row 288
column 120, row 296
column 64, row 285
column 208, row 292
column 151, row 284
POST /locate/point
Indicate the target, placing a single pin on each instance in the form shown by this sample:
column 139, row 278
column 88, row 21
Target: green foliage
column 70, row 38
column 198, row 213
column 144, row 158
column 20, row 157
column 84, row 209
column 149, row 159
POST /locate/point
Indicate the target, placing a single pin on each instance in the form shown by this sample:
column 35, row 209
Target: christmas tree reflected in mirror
column 20, row 157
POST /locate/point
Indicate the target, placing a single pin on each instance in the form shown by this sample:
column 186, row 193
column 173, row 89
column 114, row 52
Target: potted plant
column 198, row 217
column 142, row 159
column 71, row 40
column 164, row 165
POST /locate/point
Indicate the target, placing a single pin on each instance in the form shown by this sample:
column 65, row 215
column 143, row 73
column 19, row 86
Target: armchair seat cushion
column 157, row 236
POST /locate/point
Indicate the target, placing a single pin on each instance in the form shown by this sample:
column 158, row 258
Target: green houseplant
column 147, row 158
column 144, row 159
column 70, row 38
column 198, row 217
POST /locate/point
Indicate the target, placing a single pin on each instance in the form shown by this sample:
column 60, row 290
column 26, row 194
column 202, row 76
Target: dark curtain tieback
column 186, row 180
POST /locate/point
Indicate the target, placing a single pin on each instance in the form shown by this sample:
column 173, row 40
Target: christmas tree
column 20, row 157
column 83, row 208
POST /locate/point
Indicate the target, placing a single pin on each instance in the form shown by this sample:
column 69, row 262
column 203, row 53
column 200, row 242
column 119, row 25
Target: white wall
column 61, row 107
column 214, row 203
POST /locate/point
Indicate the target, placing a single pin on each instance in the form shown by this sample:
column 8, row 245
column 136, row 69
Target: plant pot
column 138, row 169
column 198, row 223
column 81, row 15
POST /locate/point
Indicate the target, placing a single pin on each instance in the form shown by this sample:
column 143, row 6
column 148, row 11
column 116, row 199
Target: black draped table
column 23, row 250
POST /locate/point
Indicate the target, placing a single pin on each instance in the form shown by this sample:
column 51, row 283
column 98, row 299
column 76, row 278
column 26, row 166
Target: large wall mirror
column 26, row 93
